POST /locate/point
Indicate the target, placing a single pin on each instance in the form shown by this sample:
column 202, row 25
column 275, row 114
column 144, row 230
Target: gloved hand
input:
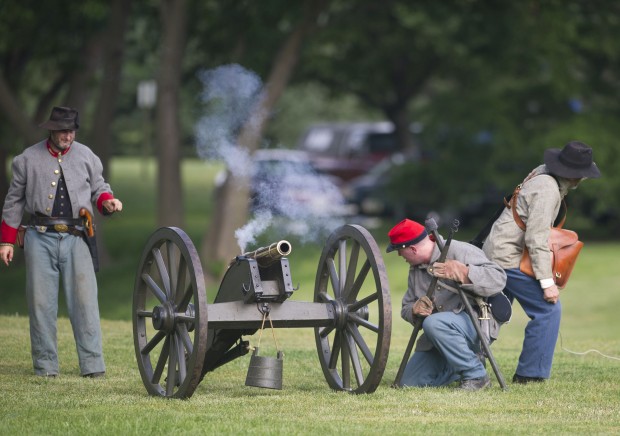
column 451, row 270
column 423, row 307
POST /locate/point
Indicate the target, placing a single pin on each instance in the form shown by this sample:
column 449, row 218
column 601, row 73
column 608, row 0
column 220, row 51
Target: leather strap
column 51, row 221
column 65, row 229
column 512, row 204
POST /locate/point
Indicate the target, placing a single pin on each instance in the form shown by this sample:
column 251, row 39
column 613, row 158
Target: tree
column 168, row 130
column 402, row 53
column 487, row 80
column 113, row 61
column 27, row 49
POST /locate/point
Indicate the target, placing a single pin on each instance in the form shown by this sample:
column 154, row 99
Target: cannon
column 179, row 337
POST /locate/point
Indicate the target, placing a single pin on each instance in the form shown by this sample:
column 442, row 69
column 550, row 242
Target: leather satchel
column 564, row 245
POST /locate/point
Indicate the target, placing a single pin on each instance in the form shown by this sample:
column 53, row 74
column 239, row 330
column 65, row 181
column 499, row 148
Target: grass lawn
column 583, row 396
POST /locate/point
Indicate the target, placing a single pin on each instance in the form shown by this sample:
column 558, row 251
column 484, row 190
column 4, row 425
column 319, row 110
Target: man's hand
column 113, row 205
column 423, row 307
column 452, row 270
column 6, row 254
column 551, row 294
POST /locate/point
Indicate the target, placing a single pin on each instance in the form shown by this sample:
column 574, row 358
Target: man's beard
column 58, row 144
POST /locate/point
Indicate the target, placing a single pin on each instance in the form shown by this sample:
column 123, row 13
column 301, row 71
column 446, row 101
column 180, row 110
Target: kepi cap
column 405, row 233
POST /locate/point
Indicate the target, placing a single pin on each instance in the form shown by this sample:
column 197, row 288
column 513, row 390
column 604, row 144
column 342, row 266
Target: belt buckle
column 61, row 228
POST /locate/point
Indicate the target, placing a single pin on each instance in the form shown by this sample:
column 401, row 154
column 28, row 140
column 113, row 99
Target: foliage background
column 493, row 84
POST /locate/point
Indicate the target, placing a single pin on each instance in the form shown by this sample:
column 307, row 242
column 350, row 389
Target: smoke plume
column 230, row 95
column 299, row 202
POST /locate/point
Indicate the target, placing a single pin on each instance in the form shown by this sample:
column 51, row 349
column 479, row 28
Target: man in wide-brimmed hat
column 57, row 182
column 538, row 204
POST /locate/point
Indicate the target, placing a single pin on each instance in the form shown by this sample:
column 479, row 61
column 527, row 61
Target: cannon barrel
column 265, row 256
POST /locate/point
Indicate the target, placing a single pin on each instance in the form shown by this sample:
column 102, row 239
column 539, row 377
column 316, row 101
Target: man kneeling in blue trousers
column 448, row 351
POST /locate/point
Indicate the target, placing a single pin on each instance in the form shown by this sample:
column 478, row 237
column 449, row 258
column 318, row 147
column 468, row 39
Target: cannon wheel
column 351, row 275
column 170, row 315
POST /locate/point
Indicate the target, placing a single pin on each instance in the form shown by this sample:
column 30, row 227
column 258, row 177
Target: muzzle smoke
column 305, row 204
column 230, row 94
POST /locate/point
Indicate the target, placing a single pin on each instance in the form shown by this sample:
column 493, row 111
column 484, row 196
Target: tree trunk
column 168, row 130
column 14, row 113
column 400, row 117
column 231, row 213
column 22, row 126
column 101, row 134
column 80, row 82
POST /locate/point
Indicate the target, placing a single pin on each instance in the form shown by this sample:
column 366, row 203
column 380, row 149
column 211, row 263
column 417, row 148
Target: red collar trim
column 56, row 153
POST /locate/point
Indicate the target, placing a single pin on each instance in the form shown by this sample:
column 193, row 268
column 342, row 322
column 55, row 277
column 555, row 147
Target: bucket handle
column 273, row 332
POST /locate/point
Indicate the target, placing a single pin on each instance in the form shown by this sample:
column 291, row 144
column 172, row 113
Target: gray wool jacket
column 486, row 276
column 35, row 177
column 538, row 205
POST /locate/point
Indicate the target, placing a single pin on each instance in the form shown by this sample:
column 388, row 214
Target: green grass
column 583, row 395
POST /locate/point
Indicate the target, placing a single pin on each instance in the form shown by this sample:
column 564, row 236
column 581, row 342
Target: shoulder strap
column 560, row 224
column 512, row 204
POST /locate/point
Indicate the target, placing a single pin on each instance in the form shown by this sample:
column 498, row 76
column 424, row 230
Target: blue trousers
column 541, row 332
column 453, row 356
column 51, row 257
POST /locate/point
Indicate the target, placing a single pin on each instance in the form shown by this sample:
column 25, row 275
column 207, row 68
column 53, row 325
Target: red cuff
column 103, row 197
column 7, row 233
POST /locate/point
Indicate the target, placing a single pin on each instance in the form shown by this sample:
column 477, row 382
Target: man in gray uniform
column 448, row 349
column 53, row 181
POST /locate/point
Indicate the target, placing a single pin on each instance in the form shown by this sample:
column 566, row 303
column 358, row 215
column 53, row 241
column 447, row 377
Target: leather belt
column 58, row 225
column 63, row 228
column 51, row 221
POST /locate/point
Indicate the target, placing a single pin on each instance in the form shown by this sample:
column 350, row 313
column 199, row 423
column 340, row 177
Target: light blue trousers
column 453, row 356
column 50, row 258
column 542, row 330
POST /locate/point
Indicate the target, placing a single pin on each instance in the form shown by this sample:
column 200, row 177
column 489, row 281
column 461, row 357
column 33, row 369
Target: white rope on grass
column 585, row 352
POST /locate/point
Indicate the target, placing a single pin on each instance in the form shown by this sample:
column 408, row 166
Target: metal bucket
column 265, row 372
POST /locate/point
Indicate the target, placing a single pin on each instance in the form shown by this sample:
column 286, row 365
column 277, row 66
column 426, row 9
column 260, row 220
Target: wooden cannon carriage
column 179, row 337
